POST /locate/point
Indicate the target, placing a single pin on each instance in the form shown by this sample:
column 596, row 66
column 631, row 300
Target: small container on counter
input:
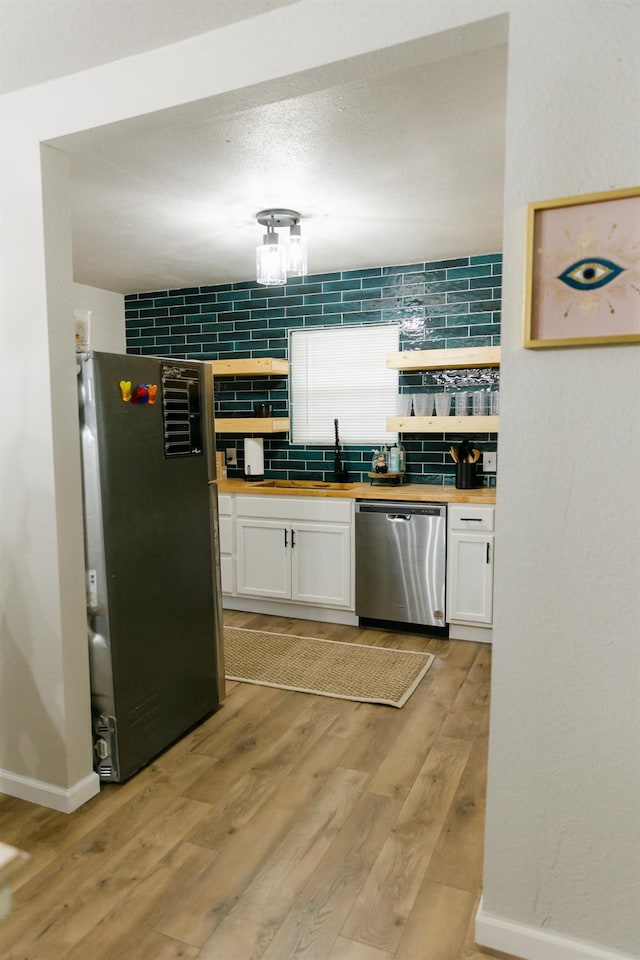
column 466, row 476
column 380, row 464
column 402, row 458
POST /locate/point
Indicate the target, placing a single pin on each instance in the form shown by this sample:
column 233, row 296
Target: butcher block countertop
column 415, row 492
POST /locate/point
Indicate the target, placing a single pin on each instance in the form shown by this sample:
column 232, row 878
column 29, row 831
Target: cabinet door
column 321, row 564
column 264, row 558
column 470, row 578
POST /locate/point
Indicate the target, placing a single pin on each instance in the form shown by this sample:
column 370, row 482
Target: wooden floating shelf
column 444, row 359
column 443, row 424
column 258, row 367
column 252, row 425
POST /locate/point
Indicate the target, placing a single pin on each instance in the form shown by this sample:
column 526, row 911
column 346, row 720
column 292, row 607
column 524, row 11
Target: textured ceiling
column 404, row 167
column 44, row 39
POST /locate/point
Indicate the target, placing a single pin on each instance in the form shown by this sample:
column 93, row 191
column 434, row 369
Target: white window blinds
column 340, row 373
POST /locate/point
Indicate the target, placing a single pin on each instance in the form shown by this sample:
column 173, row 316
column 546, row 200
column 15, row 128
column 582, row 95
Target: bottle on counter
column 394, row 459
column 402, row 460
column 374, row 460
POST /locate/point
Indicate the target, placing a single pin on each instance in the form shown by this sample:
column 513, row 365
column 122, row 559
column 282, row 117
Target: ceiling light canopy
column 276, row 262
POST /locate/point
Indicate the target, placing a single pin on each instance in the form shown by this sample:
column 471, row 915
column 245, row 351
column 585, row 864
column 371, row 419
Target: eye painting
column 590, row 273
column 582, row 280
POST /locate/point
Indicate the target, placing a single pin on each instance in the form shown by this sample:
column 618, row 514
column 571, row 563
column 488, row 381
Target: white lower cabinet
column 470, row 570
column 277, row 552
column 295, row 548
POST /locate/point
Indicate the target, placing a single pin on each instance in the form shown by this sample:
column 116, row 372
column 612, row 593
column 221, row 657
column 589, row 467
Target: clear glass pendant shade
column 271, row 262
column 297, row 265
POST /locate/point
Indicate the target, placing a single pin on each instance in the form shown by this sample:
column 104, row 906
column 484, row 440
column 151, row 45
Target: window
column 340, row 372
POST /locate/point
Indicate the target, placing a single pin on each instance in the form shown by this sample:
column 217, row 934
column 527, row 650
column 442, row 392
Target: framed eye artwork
column 582, row 280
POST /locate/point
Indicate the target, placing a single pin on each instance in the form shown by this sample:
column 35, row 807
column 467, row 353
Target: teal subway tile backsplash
column 463, row 273
column 339, row 285
column 367, row 272
column 438, row 304
column 486, row 258
column 481, row 283
column 405, row 269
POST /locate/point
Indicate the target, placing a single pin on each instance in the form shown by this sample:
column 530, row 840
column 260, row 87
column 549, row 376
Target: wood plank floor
column 285, row 827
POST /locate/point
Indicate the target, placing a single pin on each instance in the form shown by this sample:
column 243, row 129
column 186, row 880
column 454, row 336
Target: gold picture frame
column 582, row 280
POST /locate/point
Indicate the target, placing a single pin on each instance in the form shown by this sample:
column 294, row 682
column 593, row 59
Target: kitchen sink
column 305, row 484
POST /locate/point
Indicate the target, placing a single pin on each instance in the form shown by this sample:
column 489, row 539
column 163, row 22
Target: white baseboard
column 48, row 795
column 469, row 631
column 284, row 608
column 534, row 943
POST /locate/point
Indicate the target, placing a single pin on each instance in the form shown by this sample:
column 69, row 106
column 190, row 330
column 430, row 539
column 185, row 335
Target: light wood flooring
column 285, row 827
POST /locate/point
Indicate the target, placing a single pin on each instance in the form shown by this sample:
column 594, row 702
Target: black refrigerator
column 152, row 554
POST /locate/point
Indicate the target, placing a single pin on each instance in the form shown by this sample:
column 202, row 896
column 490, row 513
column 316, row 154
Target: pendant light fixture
column 275, row 261
column 297, row 259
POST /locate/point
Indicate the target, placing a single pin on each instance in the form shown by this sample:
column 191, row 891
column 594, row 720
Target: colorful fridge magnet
column 125, row 389
column 140, row 394
column 153, row 391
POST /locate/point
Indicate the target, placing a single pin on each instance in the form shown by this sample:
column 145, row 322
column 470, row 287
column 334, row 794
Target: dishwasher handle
column 394, row 517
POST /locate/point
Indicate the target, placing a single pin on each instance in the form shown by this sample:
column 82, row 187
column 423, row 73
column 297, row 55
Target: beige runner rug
column 330, row 668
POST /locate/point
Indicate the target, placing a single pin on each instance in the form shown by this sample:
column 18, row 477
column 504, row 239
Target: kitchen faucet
column 339, row 470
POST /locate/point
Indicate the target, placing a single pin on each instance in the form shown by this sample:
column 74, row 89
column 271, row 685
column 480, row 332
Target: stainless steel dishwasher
column 401, row 562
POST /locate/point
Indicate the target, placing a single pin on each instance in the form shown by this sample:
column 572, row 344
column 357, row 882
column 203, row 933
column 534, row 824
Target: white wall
column 107, row 317
column 562, row 835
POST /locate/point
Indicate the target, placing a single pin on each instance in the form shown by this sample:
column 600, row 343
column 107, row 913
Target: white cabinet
column 295, row 548
column 470, row 568
column 264, row 559
column 321, row 568
column 227, row 527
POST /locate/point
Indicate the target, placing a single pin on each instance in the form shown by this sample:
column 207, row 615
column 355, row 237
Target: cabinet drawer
column 329, row 509
column 471, row 517
column 225, row 504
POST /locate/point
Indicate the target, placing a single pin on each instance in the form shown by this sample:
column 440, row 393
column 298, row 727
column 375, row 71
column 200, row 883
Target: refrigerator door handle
column 208, row 419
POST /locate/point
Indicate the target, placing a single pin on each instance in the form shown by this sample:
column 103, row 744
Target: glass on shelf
column 423, row 404
column 461, row 403
column 443, row 404
column 479, row 403
column 404, row 403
